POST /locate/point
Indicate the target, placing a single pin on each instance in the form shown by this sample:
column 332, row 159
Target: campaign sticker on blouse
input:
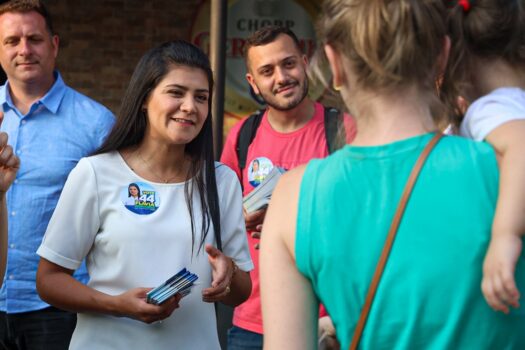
column 140, row 198
column 258, row 169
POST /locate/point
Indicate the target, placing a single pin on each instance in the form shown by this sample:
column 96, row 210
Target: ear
column 334, row 59
column 305, row 60
column 251, row 81
column 145, row 103
column 55, row 41
column 443, row 57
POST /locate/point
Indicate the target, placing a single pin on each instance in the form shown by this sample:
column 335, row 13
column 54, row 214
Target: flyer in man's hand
column 261, row 195
column 181, row 283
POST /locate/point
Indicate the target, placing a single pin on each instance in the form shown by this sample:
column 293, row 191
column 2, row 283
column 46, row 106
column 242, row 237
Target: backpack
column 333, row 125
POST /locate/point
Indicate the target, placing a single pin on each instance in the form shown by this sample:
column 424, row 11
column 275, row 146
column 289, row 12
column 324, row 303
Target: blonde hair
column 390, row 44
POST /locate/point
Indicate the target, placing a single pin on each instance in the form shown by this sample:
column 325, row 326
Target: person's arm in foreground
column 9, row 164
column 288, row 301
column 499, row 285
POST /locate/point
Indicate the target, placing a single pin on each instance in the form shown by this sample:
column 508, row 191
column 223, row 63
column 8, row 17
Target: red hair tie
column 465, row 4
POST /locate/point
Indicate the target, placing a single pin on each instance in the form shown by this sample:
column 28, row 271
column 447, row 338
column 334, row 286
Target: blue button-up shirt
column 58, row 130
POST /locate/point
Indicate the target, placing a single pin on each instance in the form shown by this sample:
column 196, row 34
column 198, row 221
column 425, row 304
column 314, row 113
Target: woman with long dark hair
column 188, row 210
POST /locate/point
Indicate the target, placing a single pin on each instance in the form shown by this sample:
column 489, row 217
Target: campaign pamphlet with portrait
column 261, row 195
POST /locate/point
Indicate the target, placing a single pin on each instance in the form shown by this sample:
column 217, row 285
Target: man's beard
column 274, row 102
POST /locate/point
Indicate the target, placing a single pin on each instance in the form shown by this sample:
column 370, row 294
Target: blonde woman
column 327, row 223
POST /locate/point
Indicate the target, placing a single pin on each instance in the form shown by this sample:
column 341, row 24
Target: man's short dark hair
column 267, row 35
column 25, row 6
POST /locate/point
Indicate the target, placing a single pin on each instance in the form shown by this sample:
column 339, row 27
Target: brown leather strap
column 390, row 240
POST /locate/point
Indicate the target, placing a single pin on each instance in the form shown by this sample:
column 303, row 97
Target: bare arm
column 509, row 142
column 499, row 286
column 241, row 287
column 288, row 301
column 56, row 286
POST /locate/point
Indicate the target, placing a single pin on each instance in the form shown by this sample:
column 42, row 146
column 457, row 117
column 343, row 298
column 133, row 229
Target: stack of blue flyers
column 180, row 283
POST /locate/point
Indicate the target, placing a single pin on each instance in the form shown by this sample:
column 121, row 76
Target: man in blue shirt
column 50, row 127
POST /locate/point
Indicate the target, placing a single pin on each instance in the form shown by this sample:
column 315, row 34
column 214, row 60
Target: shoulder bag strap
column 390, row 240
column 245, row 138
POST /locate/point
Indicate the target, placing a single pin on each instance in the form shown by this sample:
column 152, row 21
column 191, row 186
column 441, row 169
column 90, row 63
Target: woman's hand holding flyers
column 499, row 284
column 133, row 304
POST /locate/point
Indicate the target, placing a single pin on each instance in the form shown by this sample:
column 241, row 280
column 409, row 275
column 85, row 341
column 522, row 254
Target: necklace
column 163, row 179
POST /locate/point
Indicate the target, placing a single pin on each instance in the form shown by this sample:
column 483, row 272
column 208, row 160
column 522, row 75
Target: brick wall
column 102, row 40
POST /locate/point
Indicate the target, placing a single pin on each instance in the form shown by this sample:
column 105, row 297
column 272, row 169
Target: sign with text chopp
column 244, row 18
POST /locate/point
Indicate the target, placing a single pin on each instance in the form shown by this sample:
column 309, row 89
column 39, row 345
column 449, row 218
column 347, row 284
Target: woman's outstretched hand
column 222, row 273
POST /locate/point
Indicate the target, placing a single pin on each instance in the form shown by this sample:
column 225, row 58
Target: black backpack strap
column 246, row 136
column 333, row 124
column 334, row 128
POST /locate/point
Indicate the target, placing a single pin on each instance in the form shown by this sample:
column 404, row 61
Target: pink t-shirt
column 270, row 148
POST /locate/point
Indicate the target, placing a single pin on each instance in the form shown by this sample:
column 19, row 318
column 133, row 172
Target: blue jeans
column 241, row 339
column 45, row 329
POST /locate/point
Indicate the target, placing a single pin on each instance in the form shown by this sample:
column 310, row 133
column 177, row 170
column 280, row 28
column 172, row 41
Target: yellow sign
column 244, row 18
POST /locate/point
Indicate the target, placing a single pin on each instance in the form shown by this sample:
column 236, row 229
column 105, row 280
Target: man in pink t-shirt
column 291, row 132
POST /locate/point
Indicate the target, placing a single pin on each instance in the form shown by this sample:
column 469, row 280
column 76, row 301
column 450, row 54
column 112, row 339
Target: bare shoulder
column 508, row 135
column 291, row 180
column 287, row 190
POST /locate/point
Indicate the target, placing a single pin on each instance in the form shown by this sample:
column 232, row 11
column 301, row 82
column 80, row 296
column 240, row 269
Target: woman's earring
column 336, row 87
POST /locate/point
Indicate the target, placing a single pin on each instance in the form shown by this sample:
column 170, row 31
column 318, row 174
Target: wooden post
column 218, row 17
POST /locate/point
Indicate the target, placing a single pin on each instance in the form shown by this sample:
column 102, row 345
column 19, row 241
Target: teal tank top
column 429, row 296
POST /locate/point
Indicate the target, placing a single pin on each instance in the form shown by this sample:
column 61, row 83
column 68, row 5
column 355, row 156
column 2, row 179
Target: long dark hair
column 131, row 125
